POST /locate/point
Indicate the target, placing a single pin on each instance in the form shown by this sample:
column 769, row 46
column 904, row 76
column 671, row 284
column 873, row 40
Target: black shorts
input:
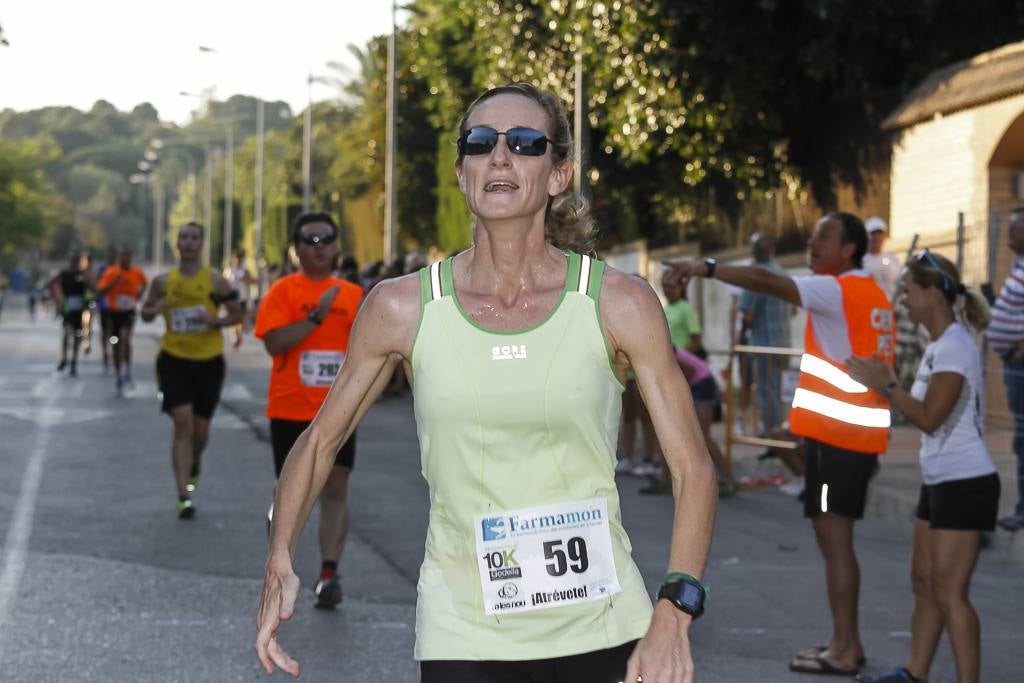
column 197, row 382
column 105, row 322
column 73, row 319
column 836, row 479
column 964, row 504
column 599, row 666
column 120, row 320
column 284, row 433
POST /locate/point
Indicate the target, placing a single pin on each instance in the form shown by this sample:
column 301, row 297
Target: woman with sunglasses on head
column 517, row 349
column 960, row 494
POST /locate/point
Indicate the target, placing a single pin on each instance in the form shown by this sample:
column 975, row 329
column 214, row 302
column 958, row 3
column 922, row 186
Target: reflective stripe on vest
column 829, row 405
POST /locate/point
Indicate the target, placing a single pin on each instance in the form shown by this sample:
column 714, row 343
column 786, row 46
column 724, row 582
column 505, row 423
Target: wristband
column 680, row 576
column 887, row 389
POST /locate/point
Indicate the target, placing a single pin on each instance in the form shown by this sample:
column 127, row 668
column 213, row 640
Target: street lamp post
column 229, row 192
column 390, row 231
column 258, row 208
column 307, row 147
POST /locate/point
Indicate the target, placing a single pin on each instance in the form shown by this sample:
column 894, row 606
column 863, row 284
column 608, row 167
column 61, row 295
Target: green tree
column 27, row 210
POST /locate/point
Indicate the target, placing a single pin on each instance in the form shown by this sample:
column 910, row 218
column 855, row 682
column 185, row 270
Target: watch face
column 691, row 595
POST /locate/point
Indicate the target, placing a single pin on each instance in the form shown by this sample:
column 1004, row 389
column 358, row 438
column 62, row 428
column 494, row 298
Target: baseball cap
column 874, row 224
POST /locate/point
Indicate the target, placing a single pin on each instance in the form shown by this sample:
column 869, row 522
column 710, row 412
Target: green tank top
column 526, row 557
column 185, row 336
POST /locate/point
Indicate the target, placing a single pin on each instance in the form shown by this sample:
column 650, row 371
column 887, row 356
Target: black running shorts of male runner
column 284, row 434
column 190, row 382
column 599, row 666
column 73, row 319
column 836, row 479
column 961, row 504
column 120, row 320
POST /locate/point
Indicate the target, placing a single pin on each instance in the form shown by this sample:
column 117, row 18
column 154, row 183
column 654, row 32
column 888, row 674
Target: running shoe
column 646, row 469
column 897, row 675
column 186, row 509
column 63, row 364
column 328, row 593
column 193, row 478
column 1011, row 523
column 624, row 466
column 793, row 488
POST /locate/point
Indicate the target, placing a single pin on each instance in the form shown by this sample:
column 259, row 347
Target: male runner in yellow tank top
column 190, row 367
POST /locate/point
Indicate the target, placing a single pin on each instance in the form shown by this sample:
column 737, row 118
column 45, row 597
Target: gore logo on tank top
column 509, row 352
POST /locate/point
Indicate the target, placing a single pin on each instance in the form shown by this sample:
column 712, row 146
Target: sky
column 74, row 52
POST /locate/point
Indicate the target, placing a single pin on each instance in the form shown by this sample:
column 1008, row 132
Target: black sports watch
column 314, row 318
column 687, row 594
column 710, row 264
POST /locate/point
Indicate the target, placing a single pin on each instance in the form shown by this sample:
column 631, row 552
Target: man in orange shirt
column 122, row 285
column 304, row 322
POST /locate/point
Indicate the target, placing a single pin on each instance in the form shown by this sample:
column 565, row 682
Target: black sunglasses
column 924, row 256
column 523, row 141
column 314, row 240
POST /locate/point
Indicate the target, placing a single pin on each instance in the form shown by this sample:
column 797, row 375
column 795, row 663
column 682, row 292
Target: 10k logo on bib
column 544, row 557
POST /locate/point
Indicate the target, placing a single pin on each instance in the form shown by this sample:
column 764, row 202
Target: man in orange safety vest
column 844, row 425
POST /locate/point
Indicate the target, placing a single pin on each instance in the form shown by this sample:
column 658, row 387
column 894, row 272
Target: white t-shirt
column 821, row 296
column 956, row 450
column 885, row 268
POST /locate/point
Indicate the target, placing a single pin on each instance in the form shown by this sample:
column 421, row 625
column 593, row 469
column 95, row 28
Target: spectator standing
column 844, row 425
column 960, row 494
column 1006, row 335
column 683, row 323
column 884, row 266
column 768, row 319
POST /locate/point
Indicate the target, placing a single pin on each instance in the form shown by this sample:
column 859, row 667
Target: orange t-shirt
column 125, row 295
column 301, row 377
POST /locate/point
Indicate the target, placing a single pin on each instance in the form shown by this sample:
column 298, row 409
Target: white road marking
column 49, row 416
column 236, row 391
column 16, row 544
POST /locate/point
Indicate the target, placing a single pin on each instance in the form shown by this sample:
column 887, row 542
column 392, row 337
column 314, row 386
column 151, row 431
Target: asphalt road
column 99, row 580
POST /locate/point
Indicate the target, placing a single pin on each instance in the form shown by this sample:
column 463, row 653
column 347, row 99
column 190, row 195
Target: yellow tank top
column 186, row 336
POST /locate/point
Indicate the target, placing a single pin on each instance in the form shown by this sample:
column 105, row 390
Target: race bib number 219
column 545, row 557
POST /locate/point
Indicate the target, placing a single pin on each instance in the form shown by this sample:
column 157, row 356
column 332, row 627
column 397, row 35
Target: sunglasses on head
column 924, row 257
column 523, row 141
column 315, row 240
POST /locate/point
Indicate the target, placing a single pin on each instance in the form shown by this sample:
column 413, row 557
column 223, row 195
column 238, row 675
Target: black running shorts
column 120, row 320
column 963, row 504
column 599, row 666
column 73, row 319
column 284, row 434
column 190, row 382
column 836, row 479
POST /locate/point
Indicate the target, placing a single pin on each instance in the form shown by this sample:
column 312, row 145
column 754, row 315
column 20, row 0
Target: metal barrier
column 730, row 437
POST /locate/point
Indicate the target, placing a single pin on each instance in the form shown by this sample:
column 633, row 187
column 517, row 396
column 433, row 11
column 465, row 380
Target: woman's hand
column 277, row 604
column 663, row 656
column 872, row 372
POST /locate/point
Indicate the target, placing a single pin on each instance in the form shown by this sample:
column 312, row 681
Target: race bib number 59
column 545, row 557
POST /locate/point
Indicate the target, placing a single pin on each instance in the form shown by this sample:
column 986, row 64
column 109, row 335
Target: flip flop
column 812, row 652
column 819, row 665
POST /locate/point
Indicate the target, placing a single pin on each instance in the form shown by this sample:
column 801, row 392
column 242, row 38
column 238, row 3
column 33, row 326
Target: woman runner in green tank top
column 517, row 350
